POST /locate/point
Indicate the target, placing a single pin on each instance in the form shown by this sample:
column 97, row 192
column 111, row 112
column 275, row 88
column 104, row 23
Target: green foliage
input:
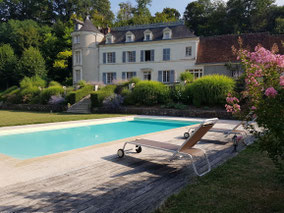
column 32, row 63
column 150, row 93
column 211, row 90
column 34, row 81
column 8, row 63
column 134, row 80
column 30, row 95
column 51, row 91
column 128, row 97
column 186, row 77
column 77, row 95
column 54, row 83
column 98, row 97
column 177, row 93
column 207, row 17
column 7, row 92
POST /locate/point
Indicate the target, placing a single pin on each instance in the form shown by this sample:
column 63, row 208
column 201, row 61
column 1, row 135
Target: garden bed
column 190, row 112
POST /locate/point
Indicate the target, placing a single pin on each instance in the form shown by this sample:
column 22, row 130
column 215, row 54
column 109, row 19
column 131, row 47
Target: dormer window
column 148, row 35
column 109, row 39
column 78, row 26
column 167, row 33
column 129, row 37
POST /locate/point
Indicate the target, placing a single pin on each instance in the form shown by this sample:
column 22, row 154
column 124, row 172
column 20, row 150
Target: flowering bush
column 264, row 96
column 113, row 102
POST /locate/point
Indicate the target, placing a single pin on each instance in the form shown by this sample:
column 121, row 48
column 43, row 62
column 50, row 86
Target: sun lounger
column 226, row 132
column 186, row 149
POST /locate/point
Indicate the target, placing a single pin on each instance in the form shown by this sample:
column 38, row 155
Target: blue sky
column 159, row 5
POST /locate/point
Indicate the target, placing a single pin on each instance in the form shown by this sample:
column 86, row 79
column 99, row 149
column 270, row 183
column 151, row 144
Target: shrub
column 177, row 93
column 211, row 90
column 56, row 100
column 7, row 91
column 134, row 80
column 30, row 94
column 54, row 83
column 34, row 81
column 10, row 95
column 49, row 92
column 113, row 102
column 186, row 77
column 150, row 93
column 75, row 96
column 98, row 97
column 127, row 97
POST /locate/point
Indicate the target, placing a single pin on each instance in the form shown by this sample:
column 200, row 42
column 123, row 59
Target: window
column 197, row 73
column 77, row 39
column 130, row 75
column 77, row 57
column 147, row 55
column 167, row 54
column 147, row 76
column 109, row 58
column 109, row 40
column 167, row 33
column 109, row 77
column 129, row 37
column 188, row 51
column 78, row 75
column 148, row 38
column 166, row 76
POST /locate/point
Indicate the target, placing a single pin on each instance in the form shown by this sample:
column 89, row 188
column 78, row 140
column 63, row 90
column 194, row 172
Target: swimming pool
column 36, row 144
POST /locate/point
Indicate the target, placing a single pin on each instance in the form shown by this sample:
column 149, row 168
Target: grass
column 14, row 118
column 246, row 183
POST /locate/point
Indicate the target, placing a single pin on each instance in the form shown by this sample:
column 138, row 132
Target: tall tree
column 8, row 62
column 125, row 12
column 32, row 63
column 172, row 13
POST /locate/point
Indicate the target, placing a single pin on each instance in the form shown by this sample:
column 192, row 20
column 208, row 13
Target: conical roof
column 89, row 27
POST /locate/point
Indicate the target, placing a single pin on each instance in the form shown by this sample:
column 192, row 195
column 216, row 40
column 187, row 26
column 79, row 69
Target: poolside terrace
column 93, row 179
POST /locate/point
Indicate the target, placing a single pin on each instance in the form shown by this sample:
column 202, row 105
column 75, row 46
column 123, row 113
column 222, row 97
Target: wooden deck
column 136, row 183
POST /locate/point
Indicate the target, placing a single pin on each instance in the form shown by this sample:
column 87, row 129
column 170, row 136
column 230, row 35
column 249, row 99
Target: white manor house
column 159, row 52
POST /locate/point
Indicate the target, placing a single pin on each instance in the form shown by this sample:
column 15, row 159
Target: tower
column 85, row 41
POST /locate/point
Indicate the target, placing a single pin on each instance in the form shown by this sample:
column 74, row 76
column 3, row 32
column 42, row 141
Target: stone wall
column 34, row 107
column 197, row 113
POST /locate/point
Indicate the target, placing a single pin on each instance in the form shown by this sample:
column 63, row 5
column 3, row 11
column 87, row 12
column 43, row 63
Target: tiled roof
column 89, row 27
column 179, row 30
column 218, row 49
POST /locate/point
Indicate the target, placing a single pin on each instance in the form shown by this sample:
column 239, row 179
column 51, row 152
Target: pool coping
column 70, row 124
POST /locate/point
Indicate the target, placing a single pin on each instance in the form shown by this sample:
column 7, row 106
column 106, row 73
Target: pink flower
column 253, row 108
column 282, row 81
column 271, row 92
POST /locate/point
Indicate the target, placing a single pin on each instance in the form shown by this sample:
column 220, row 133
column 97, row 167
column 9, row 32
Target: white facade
column 161, row 60
column 179, row 62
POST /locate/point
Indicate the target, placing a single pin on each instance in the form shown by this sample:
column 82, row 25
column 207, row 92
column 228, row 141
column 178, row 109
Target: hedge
column 98, row 97
column 50, row 91
column 76, row 96
column 210, row 90
column 150, row 93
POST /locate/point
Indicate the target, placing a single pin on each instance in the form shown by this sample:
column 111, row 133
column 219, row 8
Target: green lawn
column 13, row 118
column 247, row 183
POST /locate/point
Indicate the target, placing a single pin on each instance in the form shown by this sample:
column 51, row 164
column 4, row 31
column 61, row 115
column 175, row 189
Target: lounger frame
column 179, row 148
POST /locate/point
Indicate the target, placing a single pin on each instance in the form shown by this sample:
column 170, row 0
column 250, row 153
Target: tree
column 172, row 13
column 168, row 15
column 8, row 62
column 196, row 15
column 125, row 12
column 142, row 8
column 32, row 63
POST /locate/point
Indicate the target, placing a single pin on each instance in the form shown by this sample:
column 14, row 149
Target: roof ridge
column 146, row 26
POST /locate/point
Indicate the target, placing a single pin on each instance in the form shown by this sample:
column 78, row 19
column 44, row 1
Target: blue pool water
column 35, row 144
